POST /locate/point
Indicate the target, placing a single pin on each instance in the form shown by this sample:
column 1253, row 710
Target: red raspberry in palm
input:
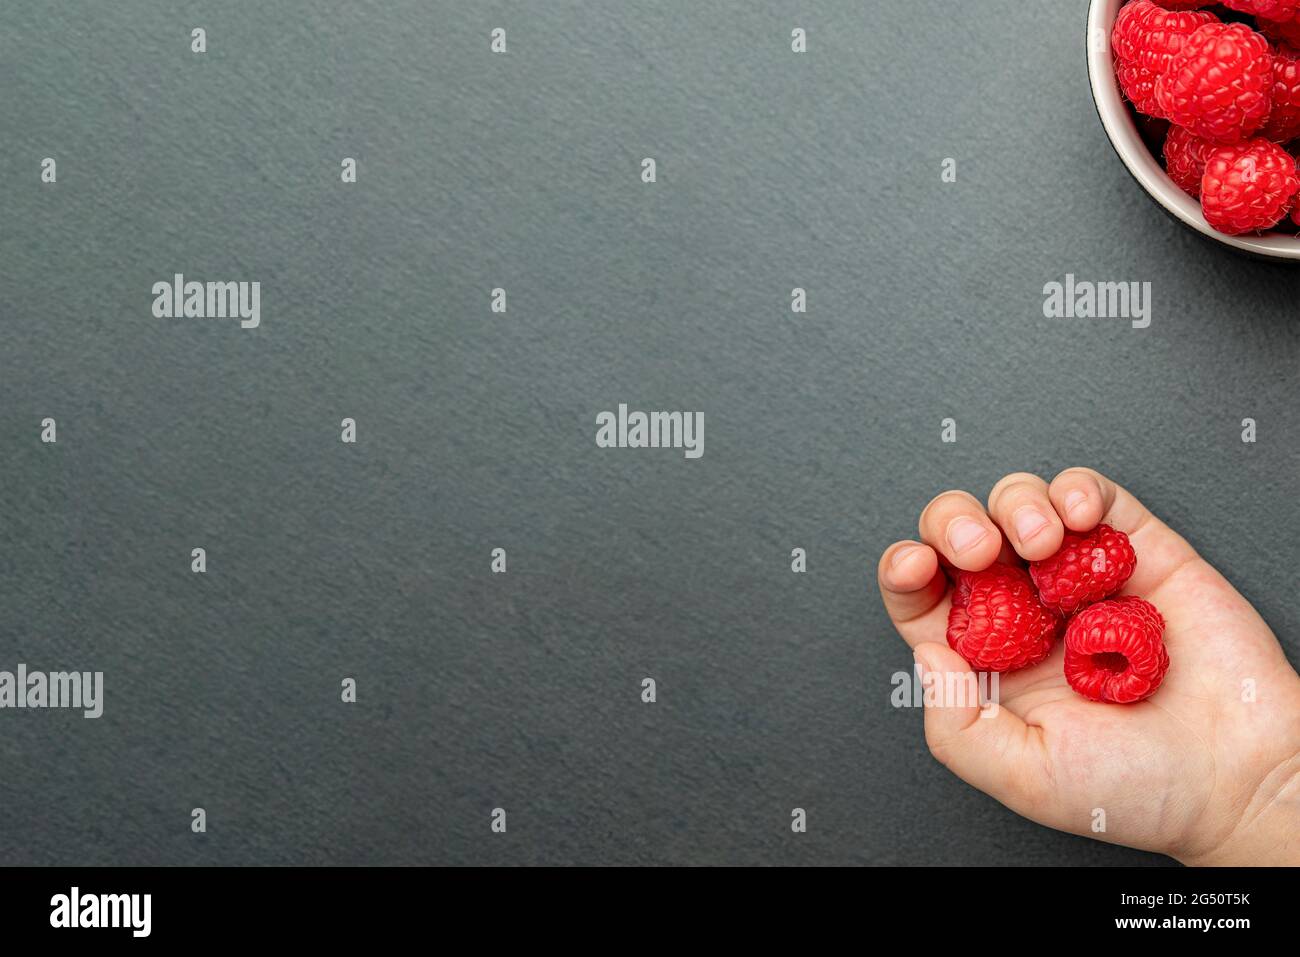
column 997, row 622
column 1115, row 650
column 1088, row 567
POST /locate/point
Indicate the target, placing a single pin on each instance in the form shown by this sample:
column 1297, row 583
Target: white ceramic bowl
column 1146, row 168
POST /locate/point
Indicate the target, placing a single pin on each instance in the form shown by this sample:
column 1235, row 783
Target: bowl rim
column 1123, row 134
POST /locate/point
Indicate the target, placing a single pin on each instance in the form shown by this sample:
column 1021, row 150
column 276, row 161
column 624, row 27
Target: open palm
column 1206, row 770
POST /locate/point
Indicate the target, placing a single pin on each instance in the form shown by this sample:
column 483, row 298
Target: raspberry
column 1265, row 9
column 997, row 622
column 1130, row 27
column 1114, row 650
column 1145, row 39
column 1248, row 187
column 1185, row 4
column 1219, row 83
column 1139, row 86
column 1185, row 156
column 1288, row 32
column 1088, row 567
column 1284, row 118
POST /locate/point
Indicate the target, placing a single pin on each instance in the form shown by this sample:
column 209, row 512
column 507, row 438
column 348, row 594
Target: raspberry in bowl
column 1201, row 102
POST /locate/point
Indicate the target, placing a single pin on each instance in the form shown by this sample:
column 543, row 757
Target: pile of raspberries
column 1228, row 84
column 1004, row 618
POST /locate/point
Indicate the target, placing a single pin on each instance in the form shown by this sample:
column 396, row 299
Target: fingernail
column 1028, row 521
column 965, row 533
column 1073, row 500
column 901, row 555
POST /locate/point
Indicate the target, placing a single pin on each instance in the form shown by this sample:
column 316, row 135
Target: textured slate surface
column 476, row 431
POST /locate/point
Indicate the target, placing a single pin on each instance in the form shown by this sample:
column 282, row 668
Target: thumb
column 984, row 744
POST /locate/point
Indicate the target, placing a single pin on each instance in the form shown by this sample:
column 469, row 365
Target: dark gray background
column 477, row 430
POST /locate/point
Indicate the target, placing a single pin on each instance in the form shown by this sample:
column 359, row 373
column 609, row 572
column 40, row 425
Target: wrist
column 1267, row 833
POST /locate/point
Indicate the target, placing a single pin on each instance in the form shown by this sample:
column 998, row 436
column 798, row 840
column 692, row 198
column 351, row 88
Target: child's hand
column 1204, row 770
